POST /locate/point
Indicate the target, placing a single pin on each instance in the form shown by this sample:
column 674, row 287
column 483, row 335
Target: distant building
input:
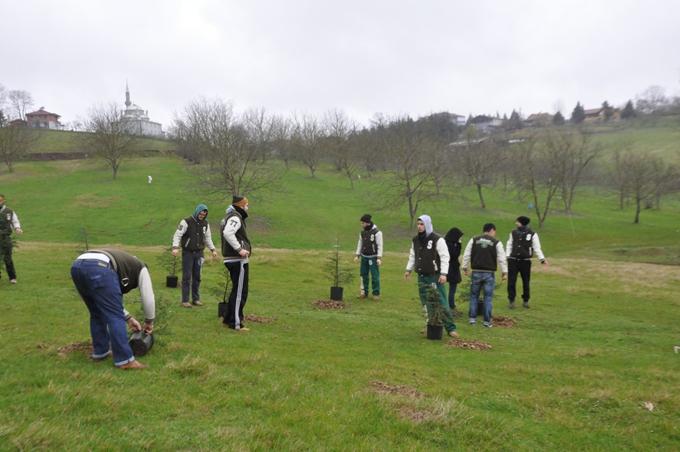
column 18, row 123
column 137, row 121
column 486, row 124
column 458, row 120
column 539, row 120
column 597, row 114
column 42, row 119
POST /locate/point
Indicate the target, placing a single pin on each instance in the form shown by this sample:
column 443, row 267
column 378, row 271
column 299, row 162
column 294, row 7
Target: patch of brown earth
column 503, row 322
column 258, row 319
column 83, row 347
column 329, row 304
column 469, row 345
column 385, row 388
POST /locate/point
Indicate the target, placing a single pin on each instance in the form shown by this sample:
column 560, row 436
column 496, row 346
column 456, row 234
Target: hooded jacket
column 429, row 254
column 453, row 244
column 193, row 234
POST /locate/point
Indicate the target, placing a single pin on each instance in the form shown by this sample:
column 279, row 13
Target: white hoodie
column 442, row 249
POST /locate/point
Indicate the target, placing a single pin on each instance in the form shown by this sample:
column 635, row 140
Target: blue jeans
column 99, row 287
column 479, row 280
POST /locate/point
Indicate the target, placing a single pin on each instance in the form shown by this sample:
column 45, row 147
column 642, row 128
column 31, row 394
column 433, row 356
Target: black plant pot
column 434, row 332
column 222, row 309
column 141, row 343
column 336, row 293
column 171, row 281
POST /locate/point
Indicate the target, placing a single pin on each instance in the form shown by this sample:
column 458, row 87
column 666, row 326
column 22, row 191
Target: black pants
column 238, row 271
column 6, row 252
column 523, row 267
column 192, row 261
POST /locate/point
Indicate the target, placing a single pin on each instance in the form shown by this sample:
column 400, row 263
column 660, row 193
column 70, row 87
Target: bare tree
column 407, row 150
column 640, row 170
column 619, row 178
column 281, row 138
column 307, row 137
column 261, row 129
column 535, row 172
column 109, row 137
column 343, row 142
column 477, row 157
column 15, row 143
column 229, row 148
column 21, row 101
column 571, row 152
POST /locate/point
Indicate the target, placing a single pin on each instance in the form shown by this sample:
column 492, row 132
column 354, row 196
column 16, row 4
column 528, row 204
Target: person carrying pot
column 192, row 235
column 236, row 250
column 101, row 278
column 369, row 251
column 429, row 257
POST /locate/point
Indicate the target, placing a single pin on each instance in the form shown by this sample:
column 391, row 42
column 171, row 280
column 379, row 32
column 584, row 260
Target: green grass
column 63, row 141
column 573, row 374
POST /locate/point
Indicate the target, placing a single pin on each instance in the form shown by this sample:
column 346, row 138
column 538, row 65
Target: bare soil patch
column 469, row 345
column 82, row 347
column 385, row 388
column 329, row 304
column 503, row 322
column 258, row 319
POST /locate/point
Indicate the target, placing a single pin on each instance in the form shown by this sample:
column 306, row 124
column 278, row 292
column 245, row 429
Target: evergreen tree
column 558, row 119
column 628, row 111
column 515, row 121
column 579, row 114
column 607, row 110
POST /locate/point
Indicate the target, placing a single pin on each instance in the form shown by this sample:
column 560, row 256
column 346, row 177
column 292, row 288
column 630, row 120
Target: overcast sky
column 362, row 56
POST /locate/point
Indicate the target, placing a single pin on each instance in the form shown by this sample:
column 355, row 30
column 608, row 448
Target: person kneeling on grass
column 485, row 254
column 429, row 257
column 101, row 278
column 370, row 251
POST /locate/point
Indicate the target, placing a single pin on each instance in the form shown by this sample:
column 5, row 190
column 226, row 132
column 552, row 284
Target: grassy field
column 573, row 373
column 63, row 141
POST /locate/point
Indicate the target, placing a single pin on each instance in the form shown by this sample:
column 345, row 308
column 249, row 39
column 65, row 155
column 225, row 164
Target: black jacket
column 453, row 244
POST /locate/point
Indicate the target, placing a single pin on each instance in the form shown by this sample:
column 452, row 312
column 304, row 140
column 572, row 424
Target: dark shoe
column 526, row 304
column 197, row 303
column 512, row 305
column 132, row 365
column 186, row 304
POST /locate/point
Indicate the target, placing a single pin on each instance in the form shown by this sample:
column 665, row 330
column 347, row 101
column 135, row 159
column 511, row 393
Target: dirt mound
column 258, row 319
column 503, row 322
column 469, row 345
column 83, row 347
column 385, row 388
column 329, row 304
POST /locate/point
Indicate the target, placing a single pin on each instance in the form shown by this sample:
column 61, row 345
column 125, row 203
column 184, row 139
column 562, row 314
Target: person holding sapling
column 236, row 250
column 370, row 251
column 101, row 278
column 484, row 253
column 521, row 246
column 453, row 244
column 192, row 235
column 9, row 222
column 429, row 257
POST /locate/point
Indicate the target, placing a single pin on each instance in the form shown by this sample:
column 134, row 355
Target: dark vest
column 241, row 235
column 521, row 244
column 369, row 245
column 6, row 221
column 427, row 258
column 484, row 255
column 126, row 265
column 194, row 237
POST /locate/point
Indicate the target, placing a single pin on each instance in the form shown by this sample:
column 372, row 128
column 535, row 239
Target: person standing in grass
column 521, row 246
column 236, row 250
column 484, row 253
column 9, row 222
column 453, row 244
column 429, row 257
column 370, row 251
column 192, row 236
column 101, row 278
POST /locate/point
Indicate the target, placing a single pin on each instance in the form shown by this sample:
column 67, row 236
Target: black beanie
column 523, row 220
column 236, row 198
column 366, row 218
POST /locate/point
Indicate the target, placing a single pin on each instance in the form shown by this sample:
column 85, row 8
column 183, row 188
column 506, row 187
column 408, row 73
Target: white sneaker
column 13, row 281
column 488, row 324
column 473, row 321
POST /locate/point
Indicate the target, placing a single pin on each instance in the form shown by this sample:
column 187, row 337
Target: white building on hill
column 137, row 121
